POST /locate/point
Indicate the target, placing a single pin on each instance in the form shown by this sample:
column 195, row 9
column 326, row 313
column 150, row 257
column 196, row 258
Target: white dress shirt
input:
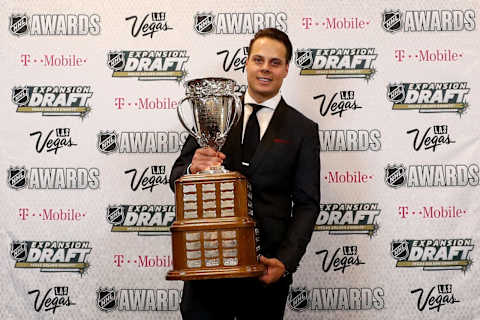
column 264, row 115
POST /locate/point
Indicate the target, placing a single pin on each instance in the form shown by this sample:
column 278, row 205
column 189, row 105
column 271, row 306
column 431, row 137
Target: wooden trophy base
column 213, row 236
column 224, row 273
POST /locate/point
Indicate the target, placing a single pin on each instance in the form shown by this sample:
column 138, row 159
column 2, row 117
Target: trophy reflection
column 213, row 235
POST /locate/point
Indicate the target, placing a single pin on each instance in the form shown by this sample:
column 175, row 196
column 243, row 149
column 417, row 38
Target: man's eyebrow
column 269, row 59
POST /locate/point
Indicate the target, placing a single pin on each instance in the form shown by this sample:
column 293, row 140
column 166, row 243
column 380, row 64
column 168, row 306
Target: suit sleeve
column 306, row 201
column 183, row 161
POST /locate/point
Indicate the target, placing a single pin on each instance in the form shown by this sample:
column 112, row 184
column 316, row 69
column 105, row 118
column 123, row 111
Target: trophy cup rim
column 188, row 82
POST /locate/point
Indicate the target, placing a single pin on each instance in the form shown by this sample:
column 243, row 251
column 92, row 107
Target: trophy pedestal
column 213, row 237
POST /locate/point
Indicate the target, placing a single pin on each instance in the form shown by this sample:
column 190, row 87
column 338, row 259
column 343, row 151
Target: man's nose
column 265, row 67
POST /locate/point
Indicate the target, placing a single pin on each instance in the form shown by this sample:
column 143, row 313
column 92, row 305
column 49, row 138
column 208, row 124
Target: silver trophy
column 215, row 109
column 213, row 236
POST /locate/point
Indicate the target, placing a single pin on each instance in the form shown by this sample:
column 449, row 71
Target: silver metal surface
column 212, row 262
column 230, row 261
column 193, row 245
column 210, row 235
column 227, row 212
column 189, row 188
column 226, row 186
column 194, row 263
column 229, row 234
column 215, row 108
column 211, row 253
column 192, row 236
column 208, row 187
column 229, row 243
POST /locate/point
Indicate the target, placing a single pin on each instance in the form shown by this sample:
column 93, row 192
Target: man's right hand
column 204, row 158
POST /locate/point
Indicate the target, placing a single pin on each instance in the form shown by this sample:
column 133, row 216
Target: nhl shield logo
column 107, row 299
column 20, row 96
column 115, row 61
column 18, row 250
column 298, row 299
column 115, row 215
column 18, row 25
column 107, row 142
column 396, row 93
column 203, row 23
column 17, row 178
column 392, row 21
column 400, row 250
column 395, row 175
column 303, row 58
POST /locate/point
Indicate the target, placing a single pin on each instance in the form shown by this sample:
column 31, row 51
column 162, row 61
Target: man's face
column 266, row 68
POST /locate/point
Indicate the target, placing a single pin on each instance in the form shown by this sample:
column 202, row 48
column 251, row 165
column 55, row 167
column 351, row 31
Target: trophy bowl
column 215, row 109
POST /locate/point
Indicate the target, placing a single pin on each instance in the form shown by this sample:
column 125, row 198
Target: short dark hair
column 274, row 34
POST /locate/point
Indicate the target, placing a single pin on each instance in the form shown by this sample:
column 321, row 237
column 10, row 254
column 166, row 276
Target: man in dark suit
column 277, row 149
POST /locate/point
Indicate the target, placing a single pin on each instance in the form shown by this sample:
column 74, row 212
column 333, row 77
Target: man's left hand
column 274, row 269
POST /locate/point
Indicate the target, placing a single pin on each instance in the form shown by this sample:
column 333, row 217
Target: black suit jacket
column 285, row 177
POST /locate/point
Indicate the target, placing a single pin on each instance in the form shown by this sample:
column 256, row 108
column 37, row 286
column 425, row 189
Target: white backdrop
column 383, row 192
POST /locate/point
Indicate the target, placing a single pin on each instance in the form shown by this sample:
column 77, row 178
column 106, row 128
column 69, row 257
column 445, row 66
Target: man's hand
column 274, row 269
column 204, row 158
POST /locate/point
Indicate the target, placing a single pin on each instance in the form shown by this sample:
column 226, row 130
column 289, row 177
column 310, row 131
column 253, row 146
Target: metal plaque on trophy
column 213, row 235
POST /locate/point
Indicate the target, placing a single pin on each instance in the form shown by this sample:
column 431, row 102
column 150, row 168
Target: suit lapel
column 266, row 143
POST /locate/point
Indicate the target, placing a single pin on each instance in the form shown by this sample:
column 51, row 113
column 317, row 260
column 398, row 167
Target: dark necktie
column 251, row 138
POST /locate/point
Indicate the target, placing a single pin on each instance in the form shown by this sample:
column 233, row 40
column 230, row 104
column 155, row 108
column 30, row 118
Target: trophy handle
column 237, row 111
column 180, row 116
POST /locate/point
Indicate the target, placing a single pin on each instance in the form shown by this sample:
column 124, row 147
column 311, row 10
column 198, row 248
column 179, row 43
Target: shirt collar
column 271, row 103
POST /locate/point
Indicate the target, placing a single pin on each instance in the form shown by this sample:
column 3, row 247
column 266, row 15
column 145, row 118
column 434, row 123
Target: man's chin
column 265, row 92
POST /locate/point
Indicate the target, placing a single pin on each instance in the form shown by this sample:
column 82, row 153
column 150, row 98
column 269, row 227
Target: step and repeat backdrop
column 89, row 133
